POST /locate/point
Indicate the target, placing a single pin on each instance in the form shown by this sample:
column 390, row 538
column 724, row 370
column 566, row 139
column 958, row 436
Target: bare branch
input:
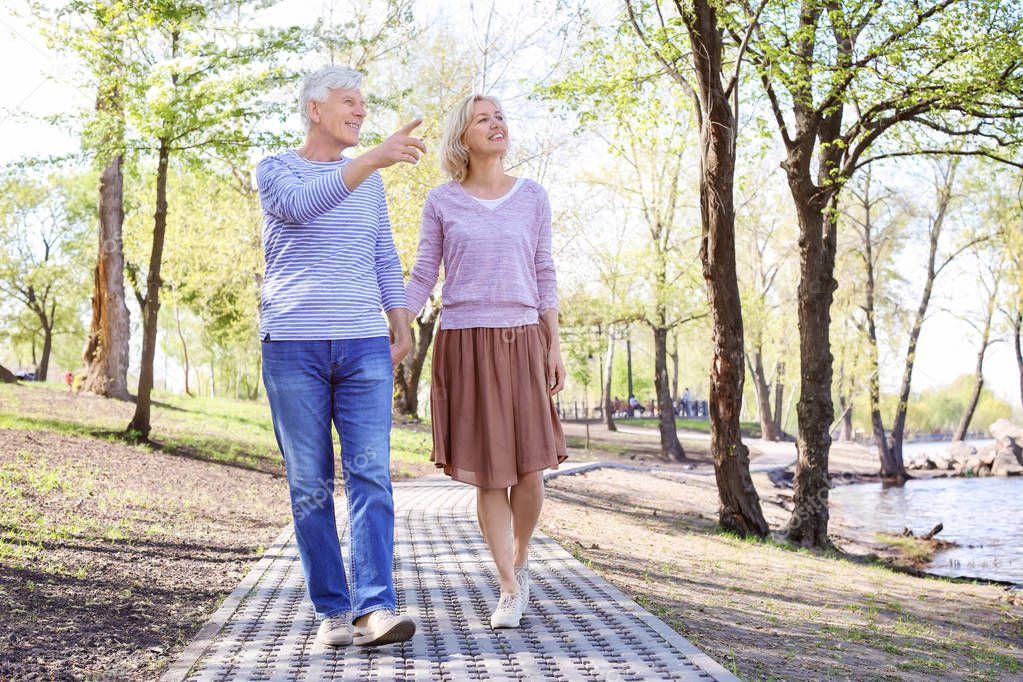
column 671, row 69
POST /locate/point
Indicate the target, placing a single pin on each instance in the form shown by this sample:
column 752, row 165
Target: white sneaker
column 384, row 626
column 335, row 630
column 508, row 612
column 522, row 576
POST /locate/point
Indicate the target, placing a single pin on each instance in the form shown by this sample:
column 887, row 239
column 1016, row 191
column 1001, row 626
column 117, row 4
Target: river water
column 984, row 516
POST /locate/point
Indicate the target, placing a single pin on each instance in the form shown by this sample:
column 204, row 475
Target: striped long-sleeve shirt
column 331, row 264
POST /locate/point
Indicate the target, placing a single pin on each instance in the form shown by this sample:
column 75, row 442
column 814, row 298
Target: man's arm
column 400, row 147
column 401, row 336
column 301, row 202
column 391, row 284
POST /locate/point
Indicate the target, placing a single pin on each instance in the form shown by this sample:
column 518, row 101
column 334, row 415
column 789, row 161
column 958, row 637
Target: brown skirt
column 493, row 416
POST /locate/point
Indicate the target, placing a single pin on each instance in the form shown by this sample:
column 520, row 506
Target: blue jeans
column 309, row 385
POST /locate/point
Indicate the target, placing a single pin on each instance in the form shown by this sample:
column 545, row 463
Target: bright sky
column 948, row 345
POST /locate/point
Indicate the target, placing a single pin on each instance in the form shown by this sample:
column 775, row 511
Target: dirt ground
column 111, row 556
column 769, row 612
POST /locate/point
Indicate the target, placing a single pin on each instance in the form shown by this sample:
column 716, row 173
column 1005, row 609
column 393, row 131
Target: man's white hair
column 317, row 86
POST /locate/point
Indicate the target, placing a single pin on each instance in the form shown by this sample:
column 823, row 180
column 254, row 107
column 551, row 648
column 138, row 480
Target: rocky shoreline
column 1003, row 458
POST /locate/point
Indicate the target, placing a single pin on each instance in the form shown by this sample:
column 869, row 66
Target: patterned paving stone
column 577, row 627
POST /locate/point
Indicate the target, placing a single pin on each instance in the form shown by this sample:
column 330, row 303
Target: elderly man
column 331, row 267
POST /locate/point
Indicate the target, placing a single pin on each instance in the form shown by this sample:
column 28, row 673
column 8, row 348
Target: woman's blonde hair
column 454, row 157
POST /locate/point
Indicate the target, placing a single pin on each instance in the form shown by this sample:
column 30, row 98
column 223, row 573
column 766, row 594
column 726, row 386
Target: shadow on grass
column 261, row 424
column 212, row 451
column 222, row 453
column 138, row 546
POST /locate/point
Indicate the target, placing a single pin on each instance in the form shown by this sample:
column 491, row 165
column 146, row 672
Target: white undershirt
column 494, row 203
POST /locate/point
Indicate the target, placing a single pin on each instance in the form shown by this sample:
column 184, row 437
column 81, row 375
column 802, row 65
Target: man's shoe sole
column 401, row 631
column 345, row 641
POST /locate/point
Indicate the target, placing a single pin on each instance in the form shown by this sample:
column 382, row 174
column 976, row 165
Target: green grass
column 222, row 430
column 579, row 442
column 916, row 549
column 750, row 429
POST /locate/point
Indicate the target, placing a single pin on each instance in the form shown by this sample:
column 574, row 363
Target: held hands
column 555, row 370
column 401, row 335
column 399, row 349
column 399, row 147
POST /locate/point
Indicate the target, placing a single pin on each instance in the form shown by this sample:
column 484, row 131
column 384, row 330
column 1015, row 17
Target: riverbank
column 766, row 610
column 772, row 468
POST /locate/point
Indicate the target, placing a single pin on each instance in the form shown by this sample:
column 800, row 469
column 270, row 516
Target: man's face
column 340, row 115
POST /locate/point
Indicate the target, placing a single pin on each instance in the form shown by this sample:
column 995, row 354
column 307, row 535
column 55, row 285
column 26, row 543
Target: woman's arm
column 543, row 262
column 555, row 365
column 428, row 257
column 547, row 287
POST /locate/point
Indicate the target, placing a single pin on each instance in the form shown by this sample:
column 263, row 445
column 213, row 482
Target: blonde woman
column 496, row 358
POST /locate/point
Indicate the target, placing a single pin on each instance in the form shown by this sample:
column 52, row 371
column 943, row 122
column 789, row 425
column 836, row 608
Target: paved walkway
column 577, row 627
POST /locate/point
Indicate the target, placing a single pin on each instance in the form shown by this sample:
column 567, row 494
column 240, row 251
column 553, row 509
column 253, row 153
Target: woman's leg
column 495, row 516
column 526, row 501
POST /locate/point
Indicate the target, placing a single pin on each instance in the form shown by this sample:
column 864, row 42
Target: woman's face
column 487, row 132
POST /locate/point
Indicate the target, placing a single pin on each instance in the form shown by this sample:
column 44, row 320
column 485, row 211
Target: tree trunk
column 7, row 376
column 896, row 472
column 890, row 462
column 410, row 370
column 140, row 422
column 739, row 509
column 1017, row 331
column 779, row 395
column 628, row 361
column 816, row 138
column 44, row 362
column 184, row 347
column 671, row 447
column 609, row 417
column 38, row 306
column 763, row 390
column 674, row 368
column 106, row 348
column 844, row 403
column 978, row 375
column 808, row 524
column 254, row 390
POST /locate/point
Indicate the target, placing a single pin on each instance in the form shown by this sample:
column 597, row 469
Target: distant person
column 652, row 408
column 617, row 406
column 496, row 359
column 331, row 269
column 687, row 403
column 634, row 405
column 69, row 379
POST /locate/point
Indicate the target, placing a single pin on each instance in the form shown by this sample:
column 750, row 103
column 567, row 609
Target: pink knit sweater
column 498, row 270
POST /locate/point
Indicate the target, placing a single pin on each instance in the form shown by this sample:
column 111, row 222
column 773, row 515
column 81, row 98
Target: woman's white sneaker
column 522, row 576
column 335, row 630
column 508, row 612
